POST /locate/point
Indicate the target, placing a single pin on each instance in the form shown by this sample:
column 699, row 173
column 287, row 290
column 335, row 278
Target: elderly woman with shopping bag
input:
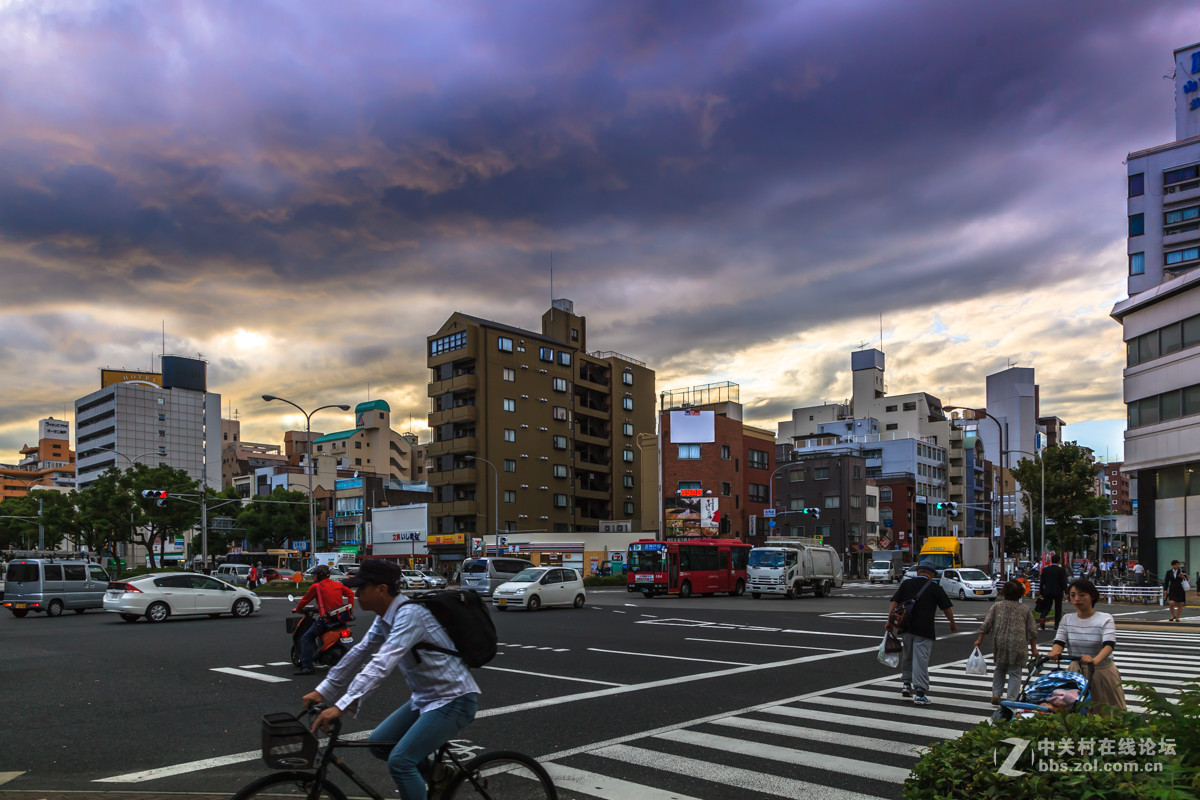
column 1014, row 632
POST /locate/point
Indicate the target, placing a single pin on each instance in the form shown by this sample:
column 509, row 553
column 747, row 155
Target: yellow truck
column 954, row 552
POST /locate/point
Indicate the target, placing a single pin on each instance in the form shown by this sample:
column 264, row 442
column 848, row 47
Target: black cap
column 374, row 570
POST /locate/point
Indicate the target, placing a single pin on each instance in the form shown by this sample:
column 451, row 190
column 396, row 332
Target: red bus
column 687, row 566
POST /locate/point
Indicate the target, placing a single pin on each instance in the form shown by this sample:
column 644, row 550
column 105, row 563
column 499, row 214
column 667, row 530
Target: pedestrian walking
column 1139, row 574
column 918, row 632
column 1051, row 590
column 1013, row 633
column 1092, row 636
column 1176, row 585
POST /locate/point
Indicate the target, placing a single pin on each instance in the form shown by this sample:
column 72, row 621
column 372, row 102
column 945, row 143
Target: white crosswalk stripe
column 853, row 741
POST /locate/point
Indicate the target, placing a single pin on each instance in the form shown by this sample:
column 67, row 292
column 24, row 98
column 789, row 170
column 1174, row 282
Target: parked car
column 280, row 574
column 53, row 586
column 161, row 595
column 967, row 584
column 432, row 579
column 541, row 586
column 412, row 579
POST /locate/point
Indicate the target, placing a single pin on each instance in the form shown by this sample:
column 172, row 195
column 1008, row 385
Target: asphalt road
column 94, row 703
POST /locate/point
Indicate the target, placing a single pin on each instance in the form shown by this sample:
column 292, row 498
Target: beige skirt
column 1105, row 684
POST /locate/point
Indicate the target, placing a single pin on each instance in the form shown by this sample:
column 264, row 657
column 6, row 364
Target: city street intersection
column 705, row 698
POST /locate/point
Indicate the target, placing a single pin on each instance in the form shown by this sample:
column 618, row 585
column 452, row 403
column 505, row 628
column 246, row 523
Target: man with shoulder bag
column 912, row 614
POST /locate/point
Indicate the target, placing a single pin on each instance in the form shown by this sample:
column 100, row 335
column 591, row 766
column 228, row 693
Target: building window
column 891, row 426
column 510, row 404
column 856, row 501
column 1182, row 215
column 627, row 481
column 510, row 374
column 820, row 473
column 627, row 378
column 857, row 471
column 627, row 429
column 358, row 445
column 629, row 509
column 545, row 354
column 1182, row 174
column 560, row 443
column 689, row 486
column 689, row 451
column 560, row 470
column 759, row 459
column 510, row 496
column 560, row 384
column 1137, row 184
column 574, row 334
column 726, row 488
column 627, row 403
column 910, row 406
column 821, row 530
column 796, row 504
column 725, row 454
column 1137, row 263
column 504, row 344
column 1137, row 224
column 559, row 413
column 445, row 344
column 510, row 465
column 358, row 462
column 1180, row 256
column 890, row 408
column 885, row 494
column 759, row 493
column 564, row 358
column 627, row 455
column 871, row 501
column 560, row 501
column 833, row 502
column 510, row 435
column 796, row 475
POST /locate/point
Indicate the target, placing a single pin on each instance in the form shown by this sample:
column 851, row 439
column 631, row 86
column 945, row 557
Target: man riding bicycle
column 444, row 695
column 329, row 596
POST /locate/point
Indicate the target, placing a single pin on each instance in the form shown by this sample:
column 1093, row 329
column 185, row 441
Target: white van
column 485, row 574
column 52, row 586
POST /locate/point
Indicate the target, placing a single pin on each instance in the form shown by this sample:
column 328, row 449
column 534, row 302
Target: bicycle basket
column 287, row 742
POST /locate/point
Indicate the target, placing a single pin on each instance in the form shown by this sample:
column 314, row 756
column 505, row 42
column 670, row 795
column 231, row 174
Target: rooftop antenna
column 552, row 285
column 164, row 340
column 881, row 331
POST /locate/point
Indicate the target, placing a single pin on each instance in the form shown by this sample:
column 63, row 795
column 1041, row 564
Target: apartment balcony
column 582, row 463
column 1182, row 238
column 463, row 444
column 460, row 414
column 957, row 473
column 458, row 383
column 459, row 508
column 601, row 441
column 591, row 494
column 453, row 476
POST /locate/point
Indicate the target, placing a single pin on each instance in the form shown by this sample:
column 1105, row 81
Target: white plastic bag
column 977, row 664
column 1187, row 587
column 888, row 659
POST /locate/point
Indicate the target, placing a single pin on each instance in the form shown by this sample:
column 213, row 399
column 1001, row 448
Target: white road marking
column 556, row 677
column 759, row 644
column 877, row 724
column 251, row 666
column 926, row 712
column 279, row 664
column 258, row 676
column 808, row 732
column 5, row 777
column 590, row 783
column 672, row 658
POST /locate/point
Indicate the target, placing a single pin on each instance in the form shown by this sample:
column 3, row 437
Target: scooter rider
column 329, row 595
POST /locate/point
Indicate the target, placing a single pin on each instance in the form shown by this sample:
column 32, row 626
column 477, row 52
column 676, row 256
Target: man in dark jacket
column 1051, row 589
column 919, row 633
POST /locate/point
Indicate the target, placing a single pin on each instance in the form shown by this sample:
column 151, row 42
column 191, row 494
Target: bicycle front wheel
column 501, row 775
column 289, row 784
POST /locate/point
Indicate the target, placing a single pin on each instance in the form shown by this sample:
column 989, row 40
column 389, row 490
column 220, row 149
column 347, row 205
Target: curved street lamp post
column 312, row 509
column 1004, row 465
column 495, row 496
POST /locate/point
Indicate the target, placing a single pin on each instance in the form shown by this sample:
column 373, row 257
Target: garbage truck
column 788, row 567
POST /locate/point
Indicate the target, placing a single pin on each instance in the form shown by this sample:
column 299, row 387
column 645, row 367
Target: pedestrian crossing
column 855, row 741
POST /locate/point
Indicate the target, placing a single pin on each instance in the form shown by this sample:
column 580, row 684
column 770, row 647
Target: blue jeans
column 417, row 736
column 309, row 642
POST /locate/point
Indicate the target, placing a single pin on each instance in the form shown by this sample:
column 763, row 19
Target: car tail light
column 117, row 586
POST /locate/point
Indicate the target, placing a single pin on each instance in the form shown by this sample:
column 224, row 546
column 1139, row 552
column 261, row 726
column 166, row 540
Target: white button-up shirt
column 435, row 680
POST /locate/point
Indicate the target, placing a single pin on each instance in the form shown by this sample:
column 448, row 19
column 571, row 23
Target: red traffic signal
column 158, row 494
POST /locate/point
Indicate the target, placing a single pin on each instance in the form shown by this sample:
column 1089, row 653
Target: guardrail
column 1114, row 593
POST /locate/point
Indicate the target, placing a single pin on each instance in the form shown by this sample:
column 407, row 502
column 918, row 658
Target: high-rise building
column 1161, row 328
column 557, row 425
column 151, row 418
column 50, row 464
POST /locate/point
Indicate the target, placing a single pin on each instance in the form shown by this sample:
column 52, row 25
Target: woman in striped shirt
column 1091, row 635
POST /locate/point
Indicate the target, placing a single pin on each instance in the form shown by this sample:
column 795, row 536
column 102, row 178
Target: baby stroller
column 1060, row 690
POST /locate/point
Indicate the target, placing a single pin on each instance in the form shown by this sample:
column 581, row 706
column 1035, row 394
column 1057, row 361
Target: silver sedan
column 164, row 594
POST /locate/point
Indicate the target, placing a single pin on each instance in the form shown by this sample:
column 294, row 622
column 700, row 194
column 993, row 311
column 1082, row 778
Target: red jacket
column 331, row 594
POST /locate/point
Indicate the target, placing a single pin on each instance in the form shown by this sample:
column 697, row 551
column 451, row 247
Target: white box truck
column 887, row 566
column 790, row 566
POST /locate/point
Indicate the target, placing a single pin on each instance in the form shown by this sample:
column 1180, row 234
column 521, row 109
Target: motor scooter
column 334, row 643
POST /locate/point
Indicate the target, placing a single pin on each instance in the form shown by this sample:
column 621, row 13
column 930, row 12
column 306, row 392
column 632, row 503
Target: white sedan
column 433, row 580
column 967, row 584
column 164, row 594
column 541, row 586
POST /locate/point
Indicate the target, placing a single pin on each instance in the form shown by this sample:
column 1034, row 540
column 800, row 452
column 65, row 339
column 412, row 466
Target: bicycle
column 289, row 745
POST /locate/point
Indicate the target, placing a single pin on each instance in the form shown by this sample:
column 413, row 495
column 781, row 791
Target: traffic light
column 503, row 541
column 812, row 512
column 951, row 509
column 157, row 494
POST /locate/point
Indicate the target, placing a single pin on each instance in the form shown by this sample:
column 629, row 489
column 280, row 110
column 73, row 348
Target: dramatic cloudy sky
column 303, row 191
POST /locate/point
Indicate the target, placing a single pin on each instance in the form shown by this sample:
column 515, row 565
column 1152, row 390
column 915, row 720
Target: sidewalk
column 26, row 795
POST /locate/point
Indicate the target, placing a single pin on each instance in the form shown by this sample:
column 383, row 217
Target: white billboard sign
column 692, row 426
column 400, row 530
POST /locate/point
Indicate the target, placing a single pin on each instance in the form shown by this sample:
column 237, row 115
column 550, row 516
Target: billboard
column 692, row 426
column 400, row 530
column 110, row 376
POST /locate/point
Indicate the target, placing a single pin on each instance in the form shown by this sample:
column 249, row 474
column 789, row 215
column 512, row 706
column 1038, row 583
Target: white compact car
column 164, row 594
column 541, row 586
column 433, row 580
column 411, row 579
column 967, row 584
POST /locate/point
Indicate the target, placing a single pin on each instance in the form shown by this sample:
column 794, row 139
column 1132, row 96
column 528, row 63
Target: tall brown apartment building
column 555, row 424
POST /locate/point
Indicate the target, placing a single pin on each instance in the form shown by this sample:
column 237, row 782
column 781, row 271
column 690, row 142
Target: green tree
column 1070, row 473
column 105, row 513
column 270, row 524
column 154, row 523
column 18, row 523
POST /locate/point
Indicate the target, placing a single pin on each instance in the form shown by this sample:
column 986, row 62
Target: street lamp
column 1003, row 466
column 495, row 495
column 312, row 509
column 1042, row 464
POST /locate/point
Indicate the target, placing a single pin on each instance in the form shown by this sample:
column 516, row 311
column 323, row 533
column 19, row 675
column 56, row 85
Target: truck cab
column 789, row 567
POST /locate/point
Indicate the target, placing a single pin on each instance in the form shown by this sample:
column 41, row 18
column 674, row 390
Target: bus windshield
column 646, row 561
column 768, row 558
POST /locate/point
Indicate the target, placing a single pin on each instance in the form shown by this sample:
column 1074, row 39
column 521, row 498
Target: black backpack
column 902, row 615
column 466, row 619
